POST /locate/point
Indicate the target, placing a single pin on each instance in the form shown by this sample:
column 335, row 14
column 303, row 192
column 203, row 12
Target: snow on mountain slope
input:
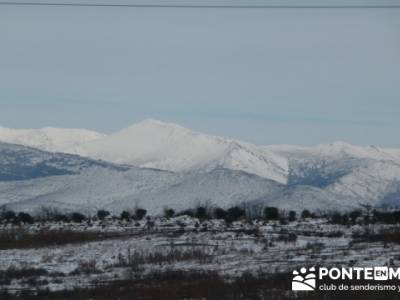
column 302, row 197
column 154, row 144
column 31, row 178
column 103, row 185
column 204, row 167
column 222, row 188
column 369, row 174
column 327, row 164
column 90, row 190
column 19, row 162
column 335, row 151
column 48, row 138
column 371, row 182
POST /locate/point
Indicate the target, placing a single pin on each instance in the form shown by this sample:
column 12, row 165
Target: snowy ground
column 230, row 251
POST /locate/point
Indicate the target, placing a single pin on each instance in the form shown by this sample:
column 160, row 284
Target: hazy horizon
column 208, row 133
column 281, row 76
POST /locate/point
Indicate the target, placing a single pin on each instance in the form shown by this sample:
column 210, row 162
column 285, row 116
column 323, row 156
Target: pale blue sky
column 304, row 76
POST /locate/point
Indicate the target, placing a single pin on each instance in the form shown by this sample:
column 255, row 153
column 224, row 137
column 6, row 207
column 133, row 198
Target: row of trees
column 274, row 214
column 206, row 213
column 236, row 213
column 10, row 216
column 201, row 212
column 49, row 214
column 373, row 217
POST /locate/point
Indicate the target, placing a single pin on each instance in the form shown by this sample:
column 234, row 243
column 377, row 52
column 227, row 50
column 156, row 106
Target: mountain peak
column 167, row 146
column 341, row 144
column 48, row 138
column 155, row 124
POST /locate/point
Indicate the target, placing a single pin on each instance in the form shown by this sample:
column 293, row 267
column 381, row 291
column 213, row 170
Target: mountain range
column 154, row 165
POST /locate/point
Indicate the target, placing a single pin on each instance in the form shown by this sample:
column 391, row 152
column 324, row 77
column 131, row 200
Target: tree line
column 203, row 213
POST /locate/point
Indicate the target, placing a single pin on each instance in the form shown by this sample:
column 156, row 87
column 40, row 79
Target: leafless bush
column 287, row 238
column 315, row 247
column 86, row 267
column 13, row 273
column 388, row 235
column 136, row 259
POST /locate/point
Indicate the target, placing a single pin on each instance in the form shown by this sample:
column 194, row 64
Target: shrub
column 60, row 218
column 169, row 213
column 125, row 215
column 386, row 217
column 338, row 218
column 25, row 218
column 77, row 217
column 86, row 267
column 235, row 213
column 305, row 214
column 354, row 215
column 287, row 238
column 220, row 213
column 271, row 213
column 140, row 213
column 45, row 213
column 102, row 214
column 292, row 216
column 9, row 215
column 136, row 259
column 201, row 213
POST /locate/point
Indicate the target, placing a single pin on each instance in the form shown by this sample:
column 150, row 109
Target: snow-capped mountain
column 159, row 145
column 155, row 164
column 155, row 144
column 369, row 174
column 48, row 138
column 19, row 162
column 31, row 178
column 336, row 151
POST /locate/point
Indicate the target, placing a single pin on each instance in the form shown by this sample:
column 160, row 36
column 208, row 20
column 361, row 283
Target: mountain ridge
column 51, row 139
column 171, row 147
column 83, row 183
column 327, row 175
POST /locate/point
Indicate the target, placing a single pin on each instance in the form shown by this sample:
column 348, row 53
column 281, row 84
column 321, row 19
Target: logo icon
column 381, row 273
column 305, row 280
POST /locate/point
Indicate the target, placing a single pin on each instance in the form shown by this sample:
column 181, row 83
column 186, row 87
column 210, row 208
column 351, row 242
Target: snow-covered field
column 185, row 244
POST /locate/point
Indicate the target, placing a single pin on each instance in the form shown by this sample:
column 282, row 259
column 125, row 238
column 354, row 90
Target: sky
column 266, row 76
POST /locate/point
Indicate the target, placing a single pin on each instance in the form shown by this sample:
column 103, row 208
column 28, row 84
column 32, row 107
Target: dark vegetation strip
column 387, row 235
column 7, row 275
column 22, row 239
column 196, row 285
column 203, row 213
column 19, row 239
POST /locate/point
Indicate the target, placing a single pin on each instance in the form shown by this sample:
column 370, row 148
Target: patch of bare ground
column 23, row 239
column 195, row 285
